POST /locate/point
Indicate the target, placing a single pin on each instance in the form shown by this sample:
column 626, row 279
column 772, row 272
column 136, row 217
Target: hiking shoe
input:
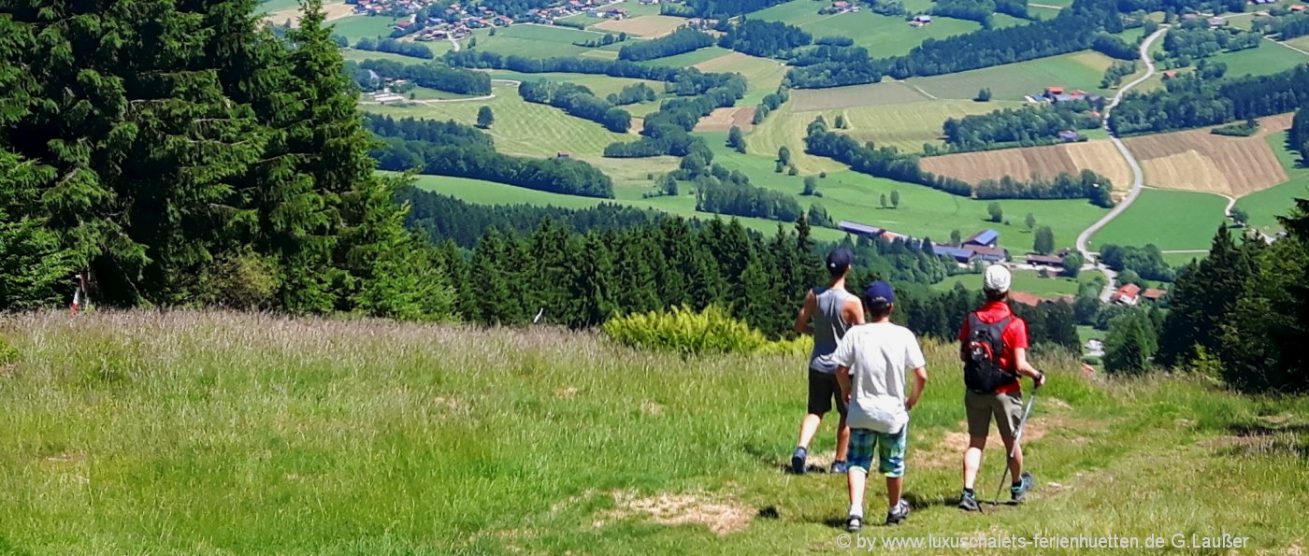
column 840, row 467
column 968, row 503
column 798, row 460
column 1025, row 483
column 898, row 514
column 854, row 523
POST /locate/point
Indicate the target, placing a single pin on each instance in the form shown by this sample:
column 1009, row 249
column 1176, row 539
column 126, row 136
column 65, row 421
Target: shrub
column 8, row 353
column 686, row 331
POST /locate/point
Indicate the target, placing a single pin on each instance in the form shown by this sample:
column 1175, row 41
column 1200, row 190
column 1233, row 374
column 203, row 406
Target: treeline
column 1115, row 47
column 1290, row 26
column 1113, row 76
column 727, row 8
column 1242, row 313
column 1084, row 185
column 577, row 101
column 764, row 38
column 393, row 46
column 452, row 149
column 970, row 10
column 194, row 159
column 1299, row 134
column 1146, row 262
column 632, row 94
column 431, row 75
column 1195, row 101
column 1072, row 30
column 1025, row 126
column 832, row 66
column 682, row 41
column 771, row 101
column 605, row 40
column 441, row 217
column 734, row 195
column 1194, row 40
column 668, row 131
column 481, row 59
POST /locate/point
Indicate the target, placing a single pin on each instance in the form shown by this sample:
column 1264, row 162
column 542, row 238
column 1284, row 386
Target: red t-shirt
column 1013, row 337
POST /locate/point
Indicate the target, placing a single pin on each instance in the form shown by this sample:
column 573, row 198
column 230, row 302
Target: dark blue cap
column 879, row 293
column 839, row 260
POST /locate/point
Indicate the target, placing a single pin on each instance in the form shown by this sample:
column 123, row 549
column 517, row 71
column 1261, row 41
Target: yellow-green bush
column 8, row 354
column 686, row 331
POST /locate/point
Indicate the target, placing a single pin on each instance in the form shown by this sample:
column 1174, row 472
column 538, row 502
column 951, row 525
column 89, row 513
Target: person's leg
column 808, row 428
column 861, row 460
column 978, row 410
column 819, row 403
column 891, row 456
column 1008, row 416
column 842, row 429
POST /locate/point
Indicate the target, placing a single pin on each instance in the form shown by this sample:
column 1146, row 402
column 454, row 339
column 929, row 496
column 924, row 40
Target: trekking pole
column 1018, row 435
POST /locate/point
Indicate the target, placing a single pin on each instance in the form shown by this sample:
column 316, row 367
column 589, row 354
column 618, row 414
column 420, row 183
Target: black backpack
column 982, row 349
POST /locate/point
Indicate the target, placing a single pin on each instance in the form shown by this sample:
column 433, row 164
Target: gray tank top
column 829, row 327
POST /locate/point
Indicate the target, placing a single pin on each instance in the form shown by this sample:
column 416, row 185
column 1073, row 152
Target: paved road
column 1138, row 176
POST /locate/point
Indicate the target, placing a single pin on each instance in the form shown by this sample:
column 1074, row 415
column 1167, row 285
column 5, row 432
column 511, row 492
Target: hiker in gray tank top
column 828, row 313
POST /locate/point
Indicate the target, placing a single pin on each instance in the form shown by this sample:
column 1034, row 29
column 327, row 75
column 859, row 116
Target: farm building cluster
column 427, row 22
column 1132, row 295
column 982, row 247
column 838, row 7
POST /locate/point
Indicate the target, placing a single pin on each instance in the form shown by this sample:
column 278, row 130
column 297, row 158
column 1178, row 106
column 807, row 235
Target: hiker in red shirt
column 993, row 347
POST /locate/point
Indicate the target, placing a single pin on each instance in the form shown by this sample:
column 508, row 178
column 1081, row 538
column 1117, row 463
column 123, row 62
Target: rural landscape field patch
column 881, row 35
column 1046, row 162
column 643, row 26
column 724, row 119
column 872, row 94
column 1168, row 219
column 1198, row 160
column 1080, row 70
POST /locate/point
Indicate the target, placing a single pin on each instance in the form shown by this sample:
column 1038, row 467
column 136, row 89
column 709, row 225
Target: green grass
column 1026, row 281
column 1168, row 219
column 881, row 35
column 1177, row 260
column 210, row 433
column 1267, row 59
column 1300, row 42
column 490, row 193
column 268, row 6
column 1265, row 206
column 536, row 41
column 601, row 85
column 423, row 93
column 358, row 27
column 923, row 212
column 1000, row 21
column 1079, row 70
column 361, row 55
column 520, row 127
column 691, row 58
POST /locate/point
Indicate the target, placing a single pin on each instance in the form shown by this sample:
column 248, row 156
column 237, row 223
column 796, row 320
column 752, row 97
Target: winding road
column 1138, row 176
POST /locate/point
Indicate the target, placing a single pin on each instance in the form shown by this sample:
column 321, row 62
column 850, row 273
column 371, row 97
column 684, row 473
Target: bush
column 8, row 353
column 685, row 331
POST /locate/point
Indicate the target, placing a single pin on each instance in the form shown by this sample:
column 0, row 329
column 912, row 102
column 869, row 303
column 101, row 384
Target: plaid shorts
column 890, row 450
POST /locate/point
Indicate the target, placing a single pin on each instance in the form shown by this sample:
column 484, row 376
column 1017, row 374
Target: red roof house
column 1127, row 295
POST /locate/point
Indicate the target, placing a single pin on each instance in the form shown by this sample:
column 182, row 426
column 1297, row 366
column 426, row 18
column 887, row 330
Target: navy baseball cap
column 838, row 261
column 879, row 294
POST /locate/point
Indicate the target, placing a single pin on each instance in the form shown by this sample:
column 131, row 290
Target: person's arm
column 1025, row 368
column 853, row 312
column 802, row 325
column 920, row 382
column 963, row 341
column 843, row 379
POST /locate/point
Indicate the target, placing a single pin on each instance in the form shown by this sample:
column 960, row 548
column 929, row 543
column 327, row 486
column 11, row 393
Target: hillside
column 217, row 433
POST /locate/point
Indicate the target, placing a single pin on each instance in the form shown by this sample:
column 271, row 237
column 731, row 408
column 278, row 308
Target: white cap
column 997, row 279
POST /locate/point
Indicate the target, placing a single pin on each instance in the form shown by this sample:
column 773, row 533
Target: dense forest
column 1288, row 27
column 832, row 66
column 1193, row 40
column 970, row 10
column 681, row 41
column 577, row 101
column 481, row 59
column 431, row 75
column 733, row 195
column 1024, row 126
column 1114, row 47
column 393, row 46
column 764, row 38
column 1084, row 185
column 179, row 153
column 453, row 149
column 633, row 94
column 1197, row 100
column 1147, row 262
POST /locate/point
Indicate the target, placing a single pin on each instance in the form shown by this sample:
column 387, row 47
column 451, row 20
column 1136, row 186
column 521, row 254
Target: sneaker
column 798, row 460
column 840, row 467
column 854, row 523
column 901, row 511
column 1025, row 484
column 968, row 503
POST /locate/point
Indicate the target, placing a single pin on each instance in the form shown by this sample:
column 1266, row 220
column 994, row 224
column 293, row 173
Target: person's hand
column 908, row 405
column 847, row 398
column 1039, row 379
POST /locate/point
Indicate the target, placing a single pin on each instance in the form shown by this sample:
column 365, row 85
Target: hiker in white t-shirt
column 872, row 361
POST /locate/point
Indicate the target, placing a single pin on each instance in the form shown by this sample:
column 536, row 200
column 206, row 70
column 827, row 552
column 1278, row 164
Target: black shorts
column 823, row 390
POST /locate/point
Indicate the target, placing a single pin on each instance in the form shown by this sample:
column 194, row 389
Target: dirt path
column 1295, row 48
column 1138, row 175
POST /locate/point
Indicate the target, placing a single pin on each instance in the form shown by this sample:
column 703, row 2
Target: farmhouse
column 1217, row 21
column 1127, row 295
column 984, row 238
column 920, row 20
column 988, row 254
column 1045, row 260
column 1154, row 295
column 959, row 254
column 862, row 230
column 1058, row 94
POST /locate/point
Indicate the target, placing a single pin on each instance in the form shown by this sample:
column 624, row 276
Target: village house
column 1154, row 295
column 861, row 230
column 984, row 238
column 1058, row 94
column 1127, row 295
column 1045, row 260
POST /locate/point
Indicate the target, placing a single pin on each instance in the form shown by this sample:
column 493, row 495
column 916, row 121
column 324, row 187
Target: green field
column 423, row 93
column 221, row 433
column 1168, row 219
column 490, row 193
column 1000, row 21
column 358, row 27
column 1080, row 70
column 539, row 41
column 1268, row 58
column 1177, row 260
column 1026, row 281
column 1265, row 206
column 521, row 127
column 904, row 126
column 601, row 85
column 923, row 212
column 1300, row 42
column 881, row 35
column 278, row 5
column 356, row 55
column 1043, row 12
column 686, row 59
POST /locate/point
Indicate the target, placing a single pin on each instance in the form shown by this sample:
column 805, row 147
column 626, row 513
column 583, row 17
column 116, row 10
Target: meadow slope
column 208, row 433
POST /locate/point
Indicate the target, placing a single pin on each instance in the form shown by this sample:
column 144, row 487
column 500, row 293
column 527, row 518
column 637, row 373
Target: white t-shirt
column 878, row 356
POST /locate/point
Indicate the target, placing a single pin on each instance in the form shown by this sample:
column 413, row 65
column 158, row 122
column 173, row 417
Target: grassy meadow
column 1169, row 219
column 881, row 35
column 1267, row 59
column 1079, row 70
column 210, row 433
column 1265, row 206
column 358, row 27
